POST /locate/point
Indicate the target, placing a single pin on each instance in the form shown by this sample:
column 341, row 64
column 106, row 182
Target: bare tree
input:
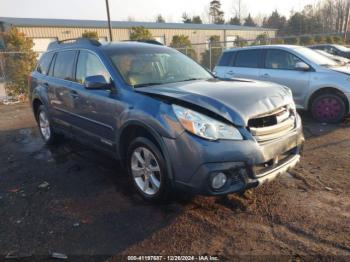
column 347, row 17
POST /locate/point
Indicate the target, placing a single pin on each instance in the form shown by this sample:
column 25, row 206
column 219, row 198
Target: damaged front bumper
column 246, row 164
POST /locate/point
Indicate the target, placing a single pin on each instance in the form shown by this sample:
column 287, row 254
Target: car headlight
column 204, row 126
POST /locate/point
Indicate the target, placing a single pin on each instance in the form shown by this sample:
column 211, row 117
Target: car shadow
column 315, row 129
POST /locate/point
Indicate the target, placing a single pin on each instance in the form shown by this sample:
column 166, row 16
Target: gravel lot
column 72, row 200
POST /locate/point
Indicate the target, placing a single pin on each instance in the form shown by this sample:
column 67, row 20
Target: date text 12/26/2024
column 173, row 258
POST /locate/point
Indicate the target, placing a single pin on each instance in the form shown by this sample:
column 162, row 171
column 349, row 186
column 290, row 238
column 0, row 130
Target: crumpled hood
column 237, row 101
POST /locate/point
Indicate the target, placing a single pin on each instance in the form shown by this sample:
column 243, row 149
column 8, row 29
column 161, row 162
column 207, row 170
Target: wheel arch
column 327, row 90
column 133, row 129
column 35, row 105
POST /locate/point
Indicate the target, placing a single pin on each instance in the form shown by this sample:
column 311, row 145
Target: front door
column 280, row 67
column 97, row 109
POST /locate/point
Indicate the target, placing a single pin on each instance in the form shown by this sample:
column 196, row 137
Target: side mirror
column 301, row 66
column 96, row 82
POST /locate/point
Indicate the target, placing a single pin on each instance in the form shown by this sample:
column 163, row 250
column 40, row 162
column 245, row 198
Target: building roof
column 43, row 22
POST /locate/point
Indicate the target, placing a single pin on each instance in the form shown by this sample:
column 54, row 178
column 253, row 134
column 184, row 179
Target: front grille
column 273, row 125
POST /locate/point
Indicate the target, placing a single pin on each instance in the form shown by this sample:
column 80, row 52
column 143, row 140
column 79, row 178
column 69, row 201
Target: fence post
column 186, row 51
column 210, row 63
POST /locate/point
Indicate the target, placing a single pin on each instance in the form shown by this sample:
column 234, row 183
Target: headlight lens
column 204, row 126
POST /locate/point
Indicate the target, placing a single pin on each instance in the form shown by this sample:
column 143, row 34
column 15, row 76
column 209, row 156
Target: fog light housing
column 218, row 181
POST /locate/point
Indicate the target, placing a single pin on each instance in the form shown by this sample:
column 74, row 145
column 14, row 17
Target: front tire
column 45, row 126
column 328, row 108
column 147, row 169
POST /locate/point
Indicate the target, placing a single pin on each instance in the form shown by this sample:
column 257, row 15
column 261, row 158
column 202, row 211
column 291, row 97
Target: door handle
column 265, row 75
column 46, row 84
column 230, row 73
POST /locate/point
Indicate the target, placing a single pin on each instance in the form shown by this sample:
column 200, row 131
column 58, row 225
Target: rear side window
column 64, row 65
column 226, row 59
column 248, row 58
column 44, row 63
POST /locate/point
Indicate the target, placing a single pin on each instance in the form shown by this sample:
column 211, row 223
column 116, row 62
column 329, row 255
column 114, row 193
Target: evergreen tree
column 215, row 12
column 194, row 20
column 276, row 21
column 186, row 19
column 248, row 21
column 197, row 20
column 160, row 19
column 235, row 21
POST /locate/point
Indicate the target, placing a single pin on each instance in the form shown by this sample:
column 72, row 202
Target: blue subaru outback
column 171, row 122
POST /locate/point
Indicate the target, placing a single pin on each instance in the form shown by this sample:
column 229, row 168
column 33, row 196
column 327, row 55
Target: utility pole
column 109, row 22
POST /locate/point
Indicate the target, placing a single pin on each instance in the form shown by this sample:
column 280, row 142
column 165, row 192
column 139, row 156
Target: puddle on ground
column 32, row 143
column 29, row 141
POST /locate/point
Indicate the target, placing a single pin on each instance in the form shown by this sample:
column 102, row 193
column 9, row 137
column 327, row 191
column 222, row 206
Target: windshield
column 154, row 66
column 338, row 59
column 315, row 57
column 342, row 48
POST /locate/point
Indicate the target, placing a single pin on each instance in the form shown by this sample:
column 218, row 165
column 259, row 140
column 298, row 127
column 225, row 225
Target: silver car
column 318, row 83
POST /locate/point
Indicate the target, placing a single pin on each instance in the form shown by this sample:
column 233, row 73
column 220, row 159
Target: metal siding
column 196, row 36
column 37, row 22
column 249, row 35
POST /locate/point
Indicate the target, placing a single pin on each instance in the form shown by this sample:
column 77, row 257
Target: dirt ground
column 88, row 210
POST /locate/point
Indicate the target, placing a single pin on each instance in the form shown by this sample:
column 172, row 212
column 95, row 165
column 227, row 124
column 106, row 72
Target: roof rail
column 153, row 42
column 72, row 42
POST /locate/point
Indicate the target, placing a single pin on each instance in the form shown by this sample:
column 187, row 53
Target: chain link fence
column 207, row 54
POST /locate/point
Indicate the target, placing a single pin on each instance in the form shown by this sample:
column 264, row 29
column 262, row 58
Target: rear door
column 39, row 77
column 279, row 67
column 247, row 64
column 224, row 68
column 61, row 97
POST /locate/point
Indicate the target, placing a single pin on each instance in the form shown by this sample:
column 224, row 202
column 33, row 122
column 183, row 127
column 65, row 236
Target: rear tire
column 45, row 127
column 328, row 108
column 147, row 169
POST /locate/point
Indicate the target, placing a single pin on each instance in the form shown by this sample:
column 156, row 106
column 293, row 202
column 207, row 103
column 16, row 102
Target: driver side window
column 282, row 60
column 90, row 65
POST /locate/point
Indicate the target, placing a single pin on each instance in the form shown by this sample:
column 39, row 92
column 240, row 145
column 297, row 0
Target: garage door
column 230, row 40
column 41, row 44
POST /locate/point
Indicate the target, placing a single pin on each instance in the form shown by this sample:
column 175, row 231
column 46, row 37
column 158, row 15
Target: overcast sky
column 142, row 10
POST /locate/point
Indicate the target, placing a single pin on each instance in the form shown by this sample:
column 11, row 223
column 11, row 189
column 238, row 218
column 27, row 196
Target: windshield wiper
column 327, row 65
column 191, row 79
column 147, row 84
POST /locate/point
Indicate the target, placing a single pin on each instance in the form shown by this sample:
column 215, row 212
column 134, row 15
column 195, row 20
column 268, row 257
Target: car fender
column 156, row 134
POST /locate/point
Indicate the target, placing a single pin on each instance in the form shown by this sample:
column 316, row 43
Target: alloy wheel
column 44, row 124
column 145, row 171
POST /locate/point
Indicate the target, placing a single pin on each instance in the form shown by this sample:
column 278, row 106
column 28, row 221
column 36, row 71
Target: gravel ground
column 75, row 201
